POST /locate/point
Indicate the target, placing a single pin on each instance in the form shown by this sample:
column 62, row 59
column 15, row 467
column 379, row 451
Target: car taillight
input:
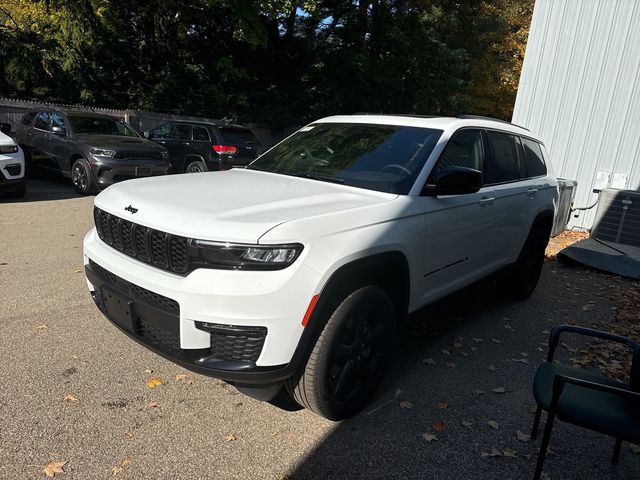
column 225, row 149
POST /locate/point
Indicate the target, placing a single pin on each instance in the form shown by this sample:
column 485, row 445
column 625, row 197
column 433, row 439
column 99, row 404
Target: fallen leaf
column 478, row 392
column 450, row 364
column 439, row 426
column 634, row 448
column 467, row 424
column 53, row 468
column 70, row 397
column 148, row 370
column 406, row 404
column 154, row 382
column 78, row 270
column 473, row 349
column 477, row 340
column 43, row 326
column 457, row 345
column 492, row 368
column 429, row 361
column 443, row 406
column 180, row 377
column 494, row 452
column 122, row 467
column 524, row 354
column 464, row 354
column 495, row 340
column 230, row 438
column 508, row 452
column 429, row 437
column 498, row 390
column 523, row 437
column 493, row 424
column 153, row 404
column 445, row 352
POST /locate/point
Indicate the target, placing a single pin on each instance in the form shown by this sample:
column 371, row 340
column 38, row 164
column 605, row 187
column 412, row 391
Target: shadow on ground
column 44, row 189
column 478, row 341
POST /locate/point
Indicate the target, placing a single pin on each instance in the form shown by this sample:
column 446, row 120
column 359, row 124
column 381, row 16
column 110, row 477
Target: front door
column 460, row 229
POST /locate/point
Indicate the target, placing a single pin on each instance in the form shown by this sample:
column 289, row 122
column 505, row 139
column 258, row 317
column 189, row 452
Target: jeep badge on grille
column 131, row 209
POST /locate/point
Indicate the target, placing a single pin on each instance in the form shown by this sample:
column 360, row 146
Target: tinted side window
column 201, row 134
column 463, row 150
column 237, row 136
column 181, row 132
column 533, row 158
column 42, row 121
column 58, row 121
column 161, row 132
column 503, row 164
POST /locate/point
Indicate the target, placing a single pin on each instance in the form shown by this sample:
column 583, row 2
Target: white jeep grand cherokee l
column 292, row 275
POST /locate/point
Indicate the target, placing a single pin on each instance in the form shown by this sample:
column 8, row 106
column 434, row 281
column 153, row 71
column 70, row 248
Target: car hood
column 231, row 206
column 117, row 142
column 6, row 140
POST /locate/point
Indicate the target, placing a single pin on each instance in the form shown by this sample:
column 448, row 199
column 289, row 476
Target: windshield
column 101, row 126
column 386, row 158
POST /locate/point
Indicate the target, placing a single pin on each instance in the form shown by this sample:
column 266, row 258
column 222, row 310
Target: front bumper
column 191, row 320
column 11, row 169
column 109, row 171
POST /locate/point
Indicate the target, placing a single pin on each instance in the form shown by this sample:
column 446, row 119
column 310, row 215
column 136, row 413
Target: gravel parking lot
column 75, row 389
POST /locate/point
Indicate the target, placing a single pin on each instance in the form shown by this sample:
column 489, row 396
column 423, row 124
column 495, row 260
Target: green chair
column 587, row 399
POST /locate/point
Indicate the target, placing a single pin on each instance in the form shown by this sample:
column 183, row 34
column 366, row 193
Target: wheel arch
column 389, row 270
column 192, row 157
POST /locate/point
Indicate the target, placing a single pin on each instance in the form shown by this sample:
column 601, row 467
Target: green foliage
column 280, row 63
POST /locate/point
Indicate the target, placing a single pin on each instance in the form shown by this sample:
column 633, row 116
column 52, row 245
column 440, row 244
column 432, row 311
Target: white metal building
column 580, row 92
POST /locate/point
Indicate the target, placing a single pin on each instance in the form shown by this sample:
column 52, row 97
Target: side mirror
column 454, row 181
column 146, row 134
column 58, row 130
column 5, row 128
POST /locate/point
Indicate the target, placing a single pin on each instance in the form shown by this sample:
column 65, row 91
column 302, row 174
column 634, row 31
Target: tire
column 196, row 167
column 526, row 272
column 20, row 191
column 82, row 179
column 349, row 358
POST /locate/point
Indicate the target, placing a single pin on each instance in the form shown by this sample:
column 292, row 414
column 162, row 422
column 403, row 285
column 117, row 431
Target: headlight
column 101, row 152
column 247, row 257
column 8, row 148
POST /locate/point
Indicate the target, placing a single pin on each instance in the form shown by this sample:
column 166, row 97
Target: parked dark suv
column 199, row 147
column 92, row 149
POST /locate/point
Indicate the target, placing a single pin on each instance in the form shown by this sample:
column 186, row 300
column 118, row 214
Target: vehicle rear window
column 533, row 158
column 237, row 136
column 386, row 158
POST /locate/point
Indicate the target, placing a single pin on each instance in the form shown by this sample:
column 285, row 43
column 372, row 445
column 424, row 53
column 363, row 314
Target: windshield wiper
column 316, row 176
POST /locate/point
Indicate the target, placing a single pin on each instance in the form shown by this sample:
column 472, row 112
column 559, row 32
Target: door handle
column 486, row 200
column 532, row 191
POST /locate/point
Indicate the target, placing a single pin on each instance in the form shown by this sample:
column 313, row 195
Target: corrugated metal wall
column 580, row 92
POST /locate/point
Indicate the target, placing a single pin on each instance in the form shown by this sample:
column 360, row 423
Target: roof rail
column 395, row 114
column 480, row 117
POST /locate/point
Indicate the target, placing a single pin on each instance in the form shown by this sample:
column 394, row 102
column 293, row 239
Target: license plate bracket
column 118, row 308
column 143, row 171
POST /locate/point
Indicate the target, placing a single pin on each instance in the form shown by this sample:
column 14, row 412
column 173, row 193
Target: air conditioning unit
column 618, row 217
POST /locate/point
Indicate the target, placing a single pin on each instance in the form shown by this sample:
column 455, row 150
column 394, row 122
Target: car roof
column 440, row 123
column 70, row 112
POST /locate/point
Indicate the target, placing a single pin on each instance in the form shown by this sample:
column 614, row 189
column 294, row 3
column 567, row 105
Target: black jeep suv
column 92, row 149
column 200, row 147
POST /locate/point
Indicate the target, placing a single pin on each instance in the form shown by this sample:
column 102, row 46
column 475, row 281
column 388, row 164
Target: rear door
column 506, row 173
column 180, row 144
column 162, row 136
column 244, row 140
column 460, row 229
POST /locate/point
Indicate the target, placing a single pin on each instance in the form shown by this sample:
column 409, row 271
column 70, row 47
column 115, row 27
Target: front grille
column 163, row 250
column 137, row 154
column 158, row 337
column 231, row 342
column 136, row 292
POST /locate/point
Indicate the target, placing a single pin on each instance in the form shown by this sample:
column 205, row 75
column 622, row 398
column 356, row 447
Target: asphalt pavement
column 75, row 389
